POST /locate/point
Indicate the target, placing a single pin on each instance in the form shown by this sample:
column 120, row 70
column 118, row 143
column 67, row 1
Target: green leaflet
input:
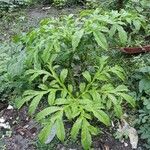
column 76, row 38
column 76, row 127
column 20, row 102
column 109, row 104
column 33, row 77
column 30, row 92
column 70, row 88
column 36, row 73
column 121, row 88
column 122, row 34
column 75, row 110
column 113, row 98
column 68, row 112
column 128, row 98
column 107, row 88
column 85, row 136
column 64, row 94
column 61, row 101
column 43, row 87
column 45, row 77
column 82, row 87
column 102, row 117
column 118, row 110
column 95, row 95
column 144, row 85
column 57, row 45
column 35, row 103
column 47, row 52
column 44, row 133
column 137, row 24
column 60, row 129
column 101, row 39
column 51, row 97
column 37, row 64
column 102, row 63
column 63, row 75
column 144, row 69
column 47, row 111
column 94, row 130
column 118, row 72
column 112, row 30
column 87, row 76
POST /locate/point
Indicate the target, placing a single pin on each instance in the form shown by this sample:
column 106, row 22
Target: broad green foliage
column 93, row 99
column 68, row 77
column 68, row 36
column 77, row 85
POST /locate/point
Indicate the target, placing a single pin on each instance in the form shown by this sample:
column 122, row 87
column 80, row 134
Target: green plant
column 143, row 121
column 93, row 99
column 6, row 5
column 74, row 94
column 144, row 84
column 76, row 38
column 4, row 59
column 11, row 68
column 141, row 6
column 59, row 3
column 142, row 76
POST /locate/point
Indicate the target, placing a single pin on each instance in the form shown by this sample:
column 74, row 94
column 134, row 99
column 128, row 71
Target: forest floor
column 21, row 131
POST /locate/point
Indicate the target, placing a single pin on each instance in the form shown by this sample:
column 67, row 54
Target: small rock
column 2, row 120
column 125, row 144
column 10, row 107
column 26, row 126
column 5, row 125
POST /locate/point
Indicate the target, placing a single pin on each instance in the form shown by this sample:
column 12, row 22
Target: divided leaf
column 44, row 133
column 102, row 117
column 86, row 138
column 20, row 102
column 77, row 38
column 51, row 97
column 128, row 98
column 118, row 110
column 76, row 127
column 60, row 129
column 35, row 103
column 63, row 75
column 87, row 76
column 112, row 30
column 47, row 111
column 122, row 34
column 101, row 40
column 82, row 87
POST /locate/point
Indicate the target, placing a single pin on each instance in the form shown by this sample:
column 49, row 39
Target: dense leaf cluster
column 69, row 74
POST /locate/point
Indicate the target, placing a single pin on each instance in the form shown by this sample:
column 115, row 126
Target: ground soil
column 23, row 20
